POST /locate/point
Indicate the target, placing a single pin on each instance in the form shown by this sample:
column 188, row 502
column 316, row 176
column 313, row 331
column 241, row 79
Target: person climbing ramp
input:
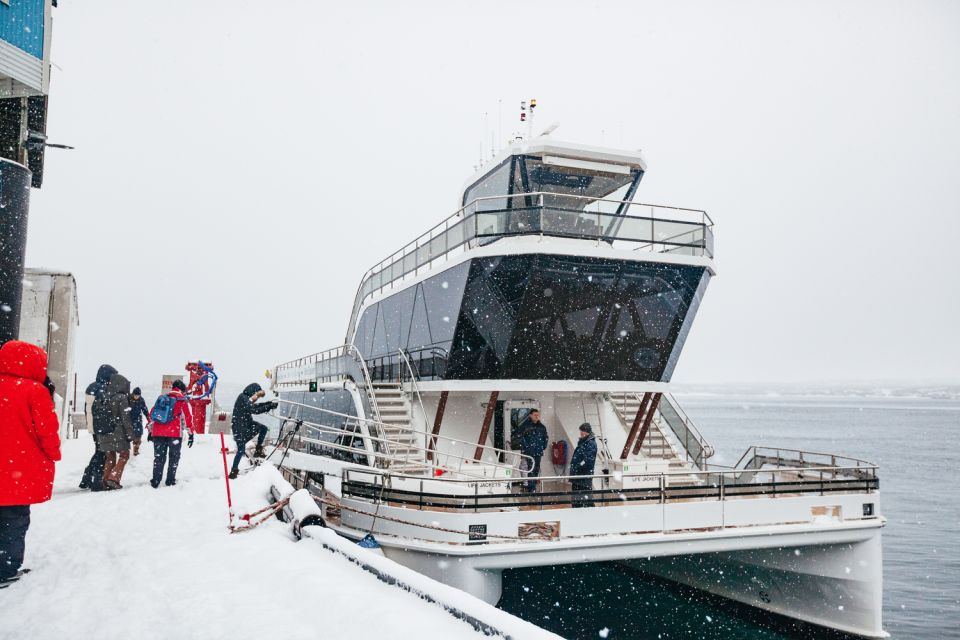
column 245, row 427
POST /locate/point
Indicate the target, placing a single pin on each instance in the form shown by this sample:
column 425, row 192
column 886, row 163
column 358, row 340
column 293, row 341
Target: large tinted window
column 574, row 181
column 537, row 317
column 418, row 318
column 322, row 423
column 495, row 183
column 556, row 317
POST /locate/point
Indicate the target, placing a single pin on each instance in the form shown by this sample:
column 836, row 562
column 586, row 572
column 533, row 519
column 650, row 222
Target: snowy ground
column 158, row 563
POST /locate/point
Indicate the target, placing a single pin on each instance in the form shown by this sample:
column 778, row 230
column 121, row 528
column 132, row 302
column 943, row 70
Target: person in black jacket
column 533, row 442
column 245, row 427
column 96, row 390
column 582, row 464
column 138, row 411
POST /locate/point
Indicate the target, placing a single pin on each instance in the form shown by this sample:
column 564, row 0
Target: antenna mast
column 525, row 119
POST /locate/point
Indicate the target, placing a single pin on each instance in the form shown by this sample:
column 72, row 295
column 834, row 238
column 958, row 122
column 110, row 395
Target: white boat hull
column 825, row 575
column 838, row 586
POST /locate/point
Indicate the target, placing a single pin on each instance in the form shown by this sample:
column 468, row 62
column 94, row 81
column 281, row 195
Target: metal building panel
column 21, row 67
column 22, row 25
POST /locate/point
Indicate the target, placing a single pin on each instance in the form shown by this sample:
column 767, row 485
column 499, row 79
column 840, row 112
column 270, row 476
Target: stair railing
column 707, row 447
column 461, row 459
column 367, row 381
column 695, row 447
column 416, row 390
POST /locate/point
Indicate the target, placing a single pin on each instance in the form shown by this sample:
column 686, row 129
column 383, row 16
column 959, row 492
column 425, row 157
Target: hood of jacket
column 23, row 360
column 104, row 373
column 118, row 385
column 251, row 389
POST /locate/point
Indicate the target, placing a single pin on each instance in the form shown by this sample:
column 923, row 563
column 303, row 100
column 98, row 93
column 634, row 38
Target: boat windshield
column 574, row 181
column 551, row 175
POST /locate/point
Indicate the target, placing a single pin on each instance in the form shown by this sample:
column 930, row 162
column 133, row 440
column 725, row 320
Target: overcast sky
column 240, row 164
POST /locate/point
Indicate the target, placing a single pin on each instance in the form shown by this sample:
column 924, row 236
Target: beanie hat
column 586, row 428
column 136, row 391
column 178, row 384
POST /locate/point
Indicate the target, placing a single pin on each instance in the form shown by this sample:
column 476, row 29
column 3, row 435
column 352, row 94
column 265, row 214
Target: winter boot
column 6, row 582
column 234, row 473
column 258, row 452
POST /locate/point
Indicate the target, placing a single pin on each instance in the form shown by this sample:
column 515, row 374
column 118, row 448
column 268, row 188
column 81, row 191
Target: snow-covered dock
column 159, row 563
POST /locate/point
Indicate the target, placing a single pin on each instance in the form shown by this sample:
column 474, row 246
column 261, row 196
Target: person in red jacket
column 168, row 437
column 29, row 445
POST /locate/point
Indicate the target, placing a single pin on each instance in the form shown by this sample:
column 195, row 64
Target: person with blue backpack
column 168, row 418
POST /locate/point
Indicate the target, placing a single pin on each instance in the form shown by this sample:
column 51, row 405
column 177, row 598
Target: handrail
column 753, row 449
column 706, row 449
column 367, row 380
column 496, row 451
column 373, row 454
column 330, row 354
column 416, row 389
column 688, row 422
column 464, row 213
column 605, row 476
column 383, row 365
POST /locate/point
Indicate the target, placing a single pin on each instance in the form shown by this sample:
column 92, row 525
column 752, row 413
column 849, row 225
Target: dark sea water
column 914, row 440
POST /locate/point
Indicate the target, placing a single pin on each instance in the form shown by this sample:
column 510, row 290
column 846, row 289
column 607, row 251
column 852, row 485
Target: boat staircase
column 403, row 448
column 671, row 436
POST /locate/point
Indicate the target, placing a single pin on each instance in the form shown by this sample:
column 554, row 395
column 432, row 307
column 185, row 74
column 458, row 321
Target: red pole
column 226, row 477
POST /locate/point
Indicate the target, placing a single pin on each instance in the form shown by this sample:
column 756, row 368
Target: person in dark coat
column 115, row 443
column 93, row 474
column 29, row 447
column 245, row 427
column 533, row 442
column 582, row 464
column 138, row 411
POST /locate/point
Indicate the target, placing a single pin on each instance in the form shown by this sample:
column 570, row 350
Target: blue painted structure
column 21, row 24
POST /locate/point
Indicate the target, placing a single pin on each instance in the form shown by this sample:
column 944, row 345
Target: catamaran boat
column 551, row 288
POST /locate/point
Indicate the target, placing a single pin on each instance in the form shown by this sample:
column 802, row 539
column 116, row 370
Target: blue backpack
column 162, row 411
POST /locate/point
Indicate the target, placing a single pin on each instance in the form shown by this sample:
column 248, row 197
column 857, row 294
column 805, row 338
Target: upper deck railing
column 485, row 220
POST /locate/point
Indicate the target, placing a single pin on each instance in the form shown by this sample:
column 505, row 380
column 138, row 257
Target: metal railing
column 695, row 446
column 493, row 460
column 339, row 363
column 426, row 363
column 486, row 219
column 758, row 459
column 416, row 390
column 665, row 487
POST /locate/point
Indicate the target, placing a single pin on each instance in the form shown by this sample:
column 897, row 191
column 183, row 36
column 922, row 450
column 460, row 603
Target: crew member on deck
column 533, row 442
column 581, row 464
